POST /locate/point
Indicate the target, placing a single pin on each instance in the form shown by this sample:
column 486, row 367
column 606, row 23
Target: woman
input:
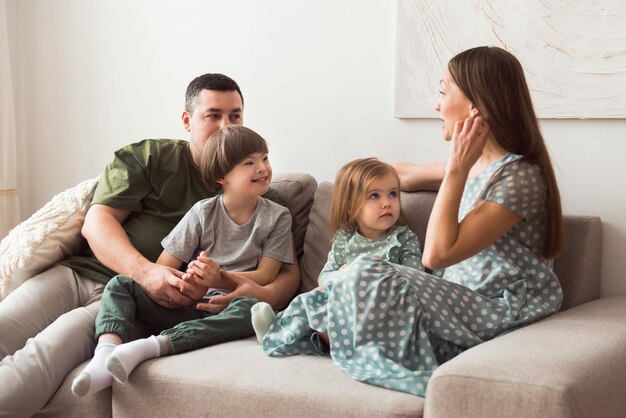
column 495, row 227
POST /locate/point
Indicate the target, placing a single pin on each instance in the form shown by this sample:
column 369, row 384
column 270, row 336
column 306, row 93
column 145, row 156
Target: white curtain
column 9, row 203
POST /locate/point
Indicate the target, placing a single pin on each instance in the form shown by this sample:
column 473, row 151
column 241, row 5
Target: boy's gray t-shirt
column 207, row 227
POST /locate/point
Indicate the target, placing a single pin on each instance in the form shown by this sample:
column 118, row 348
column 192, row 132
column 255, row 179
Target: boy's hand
column 204, row 271
column 193, row 287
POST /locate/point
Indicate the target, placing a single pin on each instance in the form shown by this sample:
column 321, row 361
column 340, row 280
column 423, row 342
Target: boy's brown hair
column 225, row 149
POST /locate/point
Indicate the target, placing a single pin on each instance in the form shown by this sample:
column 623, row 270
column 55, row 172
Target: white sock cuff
column 156, row 343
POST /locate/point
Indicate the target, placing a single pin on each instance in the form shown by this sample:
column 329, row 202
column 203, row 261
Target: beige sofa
column 571, row 364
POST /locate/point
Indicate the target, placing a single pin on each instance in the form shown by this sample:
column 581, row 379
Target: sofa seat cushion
column 237, row 379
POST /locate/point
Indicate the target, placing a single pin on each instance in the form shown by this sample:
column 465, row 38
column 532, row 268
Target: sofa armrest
column 571, row 364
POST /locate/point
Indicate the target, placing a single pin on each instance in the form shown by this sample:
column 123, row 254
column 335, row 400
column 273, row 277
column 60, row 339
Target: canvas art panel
column 573, row 52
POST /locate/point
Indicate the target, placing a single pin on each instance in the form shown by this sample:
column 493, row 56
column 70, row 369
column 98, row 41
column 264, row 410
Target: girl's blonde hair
column 226, row 148
column 350, row 190
column 493, row 80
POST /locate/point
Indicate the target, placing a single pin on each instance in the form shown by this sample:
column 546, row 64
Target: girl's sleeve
column 410, row 250
column 336, row 257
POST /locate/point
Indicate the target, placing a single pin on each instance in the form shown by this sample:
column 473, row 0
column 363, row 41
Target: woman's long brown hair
column 493, row 80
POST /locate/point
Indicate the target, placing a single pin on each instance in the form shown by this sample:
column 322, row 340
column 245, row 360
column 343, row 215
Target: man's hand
column 164, row 284
column 204, row 271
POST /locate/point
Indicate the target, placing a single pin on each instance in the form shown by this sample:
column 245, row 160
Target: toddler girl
column 365, row 211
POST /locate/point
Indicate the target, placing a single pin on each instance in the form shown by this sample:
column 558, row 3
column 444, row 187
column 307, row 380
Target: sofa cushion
column 578, row 266
column 237, row 380
column 317, row 241
column 297, row 189
column 47, row 236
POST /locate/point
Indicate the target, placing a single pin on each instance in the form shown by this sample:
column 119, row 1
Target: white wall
column 318, row 80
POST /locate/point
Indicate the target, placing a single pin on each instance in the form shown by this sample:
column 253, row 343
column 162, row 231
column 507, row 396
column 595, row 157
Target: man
column 141, row 196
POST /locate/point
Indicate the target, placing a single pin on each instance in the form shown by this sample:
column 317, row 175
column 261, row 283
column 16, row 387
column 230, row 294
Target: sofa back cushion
column 578, row 267
column 297, row 189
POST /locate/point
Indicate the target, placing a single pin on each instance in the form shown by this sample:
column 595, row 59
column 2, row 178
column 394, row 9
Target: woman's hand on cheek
column 468, row 141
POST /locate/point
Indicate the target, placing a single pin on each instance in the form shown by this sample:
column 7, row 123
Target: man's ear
column 220, row 181
column 186, row 120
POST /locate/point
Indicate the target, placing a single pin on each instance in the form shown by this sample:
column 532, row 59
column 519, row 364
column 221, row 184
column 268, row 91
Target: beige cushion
column 578, row 266
column 236, row 379
column 297, row 190
column 317, row 241
column 47, row 236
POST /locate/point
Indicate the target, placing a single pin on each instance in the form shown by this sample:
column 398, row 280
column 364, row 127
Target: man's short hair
column 210, row 81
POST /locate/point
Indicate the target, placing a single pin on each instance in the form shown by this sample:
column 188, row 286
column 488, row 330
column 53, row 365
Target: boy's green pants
column 187, row 328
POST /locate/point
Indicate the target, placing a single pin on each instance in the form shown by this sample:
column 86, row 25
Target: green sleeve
column 124, row 182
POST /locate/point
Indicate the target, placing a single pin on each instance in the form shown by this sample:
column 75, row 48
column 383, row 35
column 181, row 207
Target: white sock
column 262, row 317
column 94, row 376
column 126, row 357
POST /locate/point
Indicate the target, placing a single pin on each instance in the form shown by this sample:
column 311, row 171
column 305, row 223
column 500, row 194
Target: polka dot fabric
column 392, row 325
column 293, row 331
